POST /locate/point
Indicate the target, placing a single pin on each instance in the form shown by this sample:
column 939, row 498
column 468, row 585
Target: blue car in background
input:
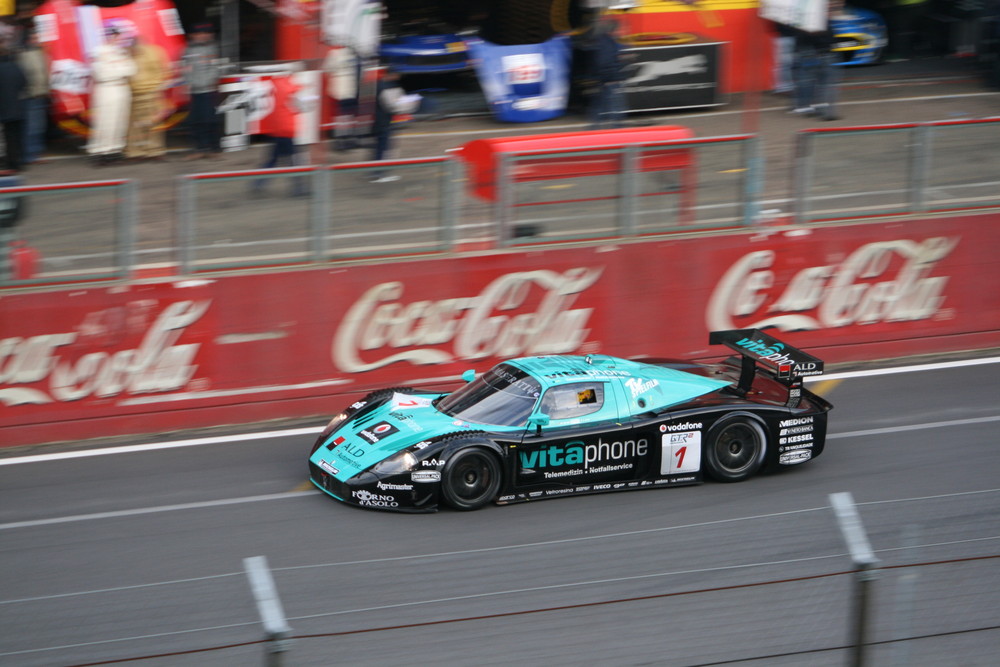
column 860, row 36
column 426, row 53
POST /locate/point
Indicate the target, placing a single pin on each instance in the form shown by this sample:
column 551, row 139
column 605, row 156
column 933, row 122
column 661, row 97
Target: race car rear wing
column 788, row 364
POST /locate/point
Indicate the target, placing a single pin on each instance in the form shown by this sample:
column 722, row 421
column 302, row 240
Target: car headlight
column 396, row 464
column 334, row 424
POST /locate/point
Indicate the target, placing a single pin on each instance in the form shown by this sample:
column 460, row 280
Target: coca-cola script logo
column 498, row 322
column 158, row 364
column 885, row 281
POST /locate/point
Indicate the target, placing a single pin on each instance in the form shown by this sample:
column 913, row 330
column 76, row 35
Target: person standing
column 290, row 101
column 36, row 103
column 390, row 100
column 815, row 74
column 12, row 89
column 342, row 68
column 607, row 103
column 111, row 99
column 902, row 19
column 145, row 139
column 201, row 74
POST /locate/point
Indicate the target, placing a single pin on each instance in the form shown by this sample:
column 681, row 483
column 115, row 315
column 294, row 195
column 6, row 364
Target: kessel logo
column 377, row 432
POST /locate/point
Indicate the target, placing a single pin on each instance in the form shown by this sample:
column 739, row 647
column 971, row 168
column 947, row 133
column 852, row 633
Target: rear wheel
column 735, row 449
column 471, row 478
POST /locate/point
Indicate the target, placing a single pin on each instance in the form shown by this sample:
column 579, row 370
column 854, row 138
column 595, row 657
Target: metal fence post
column 185, row 223
column 449, row 197
column 11, row 207
column 320, row 197
column 504, row 200
column 753, row 170
column 865, row 563
column 629, row 190
column 920, row 158
column 272, row 614
column 802, row 175
column 128, row 221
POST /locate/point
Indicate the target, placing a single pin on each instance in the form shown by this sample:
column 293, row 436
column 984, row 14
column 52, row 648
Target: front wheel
column 471, row 478
column 735, row 449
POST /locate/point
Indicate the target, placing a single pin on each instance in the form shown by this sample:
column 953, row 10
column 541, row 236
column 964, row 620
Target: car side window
column 573, row 400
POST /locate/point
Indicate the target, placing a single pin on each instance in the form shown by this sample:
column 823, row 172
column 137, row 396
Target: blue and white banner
column 524, row 83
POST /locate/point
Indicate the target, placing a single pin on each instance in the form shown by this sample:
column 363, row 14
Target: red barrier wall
column 143, row 358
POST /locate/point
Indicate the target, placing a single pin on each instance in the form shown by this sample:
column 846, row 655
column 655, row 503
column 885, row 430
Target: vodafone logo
column 377, row 432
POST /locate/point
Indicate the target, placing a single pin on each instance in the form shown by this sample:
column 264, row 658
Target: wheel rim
column 472, row 478
column 737, row 448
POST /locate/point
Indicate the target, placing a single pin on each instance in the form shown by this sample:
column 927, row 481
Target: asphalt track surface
column 123, row 555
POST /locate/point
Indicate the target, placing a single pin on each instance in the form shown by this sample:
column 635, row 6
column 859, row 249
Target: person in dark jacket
column 607, row 102
column 13, row 85
column 815, row 75
column 201, row 67
column 390, row 100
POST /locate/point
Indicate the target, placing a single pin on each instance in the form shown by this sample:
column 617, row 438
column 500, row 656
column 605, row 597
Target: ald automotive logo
column 587, row 458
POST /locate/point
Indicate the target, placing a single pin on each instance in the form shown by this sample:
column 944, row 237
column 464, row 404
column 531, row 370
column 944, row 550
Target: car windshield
column 503, row 396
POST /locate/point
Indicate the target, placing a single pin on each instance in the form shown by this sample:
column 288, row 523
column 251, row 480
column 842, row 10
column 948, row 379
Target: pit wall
column 147, row 357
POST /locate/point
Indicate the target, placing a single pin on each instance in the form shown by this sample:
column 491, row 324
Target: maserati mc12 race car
column 547, row 426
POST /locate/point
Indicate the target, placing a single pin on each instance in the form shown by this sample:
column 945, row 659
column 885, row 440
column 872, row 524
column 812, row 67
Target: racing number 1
column 680, row 453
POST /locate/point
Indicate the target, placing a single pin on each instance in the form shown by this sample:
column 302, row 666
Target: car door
column 585, row 446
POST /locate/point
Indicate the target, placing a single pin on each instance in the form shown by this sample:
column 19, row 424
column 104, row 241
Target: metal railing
column 645, row 188
column 294, row 215
column 68, row 231
column 903, row 168
column 315, row 213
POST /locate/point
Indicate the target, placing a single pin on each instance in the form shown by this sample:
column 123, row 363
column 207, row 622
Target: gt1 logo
column 680, row 452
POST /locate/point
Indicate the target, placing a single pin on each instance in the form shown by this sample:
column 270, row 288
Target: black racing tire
column 735, row 449
column 471, row 478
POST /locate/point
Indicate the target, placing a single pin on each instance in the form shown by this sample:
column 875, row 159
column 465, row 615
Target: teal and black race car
column 540, row 427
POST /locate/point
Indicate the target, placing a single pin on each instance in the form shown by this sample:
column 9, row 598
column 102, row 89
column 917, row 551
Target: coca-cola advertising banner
column 69, row 32
column 194, row 352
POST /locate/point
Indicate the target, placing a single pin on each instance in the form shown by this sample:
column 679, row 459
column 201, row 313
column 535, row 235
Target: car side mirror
column 538, row 421
column 469, row 375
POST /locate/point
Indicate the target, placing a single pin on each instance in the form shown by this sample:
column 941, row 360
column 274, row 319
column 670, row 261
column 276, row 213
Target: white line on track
column 299, row 494
column 153, row 510
column 531, row 545
column 913, row 427
column 264, row 435
column 937, row 366
column 715, row 113
column 154, row 446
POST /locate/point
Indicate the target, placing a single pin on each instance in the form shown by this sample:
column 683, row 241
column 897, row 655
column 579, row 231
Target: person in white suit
column 111, row 68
